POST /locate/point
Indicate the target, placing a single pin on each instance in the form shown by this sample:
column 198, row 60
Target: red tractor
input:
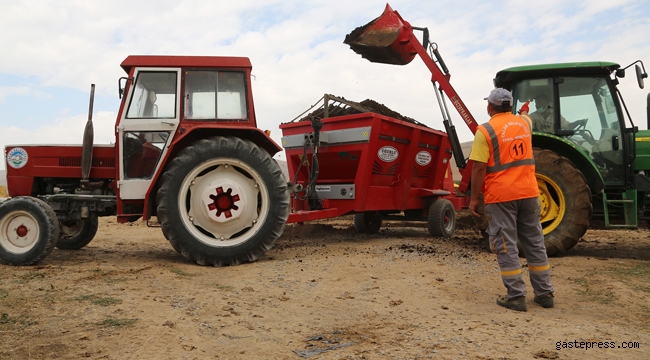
column 187, row 150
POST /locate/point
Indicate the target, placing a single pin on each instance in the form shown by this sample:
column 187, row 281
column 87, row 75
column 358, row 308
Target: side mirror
column 640, row 75
column 120, row 88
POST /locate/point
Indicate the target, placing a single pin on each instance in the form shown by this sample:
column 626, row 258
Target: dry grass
column 3, row 192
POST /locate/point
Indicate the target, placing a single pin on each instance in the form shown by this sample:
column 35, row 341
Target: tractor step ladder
column 629, row 209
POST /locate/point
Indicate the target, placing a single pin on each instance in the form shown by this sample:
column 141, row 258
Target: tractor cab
column 165, row 99
column 578, row 113
column 575, row 109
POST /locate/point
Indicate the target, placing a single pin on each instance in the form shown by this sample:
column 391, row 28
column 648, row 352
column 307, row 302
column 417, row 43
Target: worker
column 542, row 117
column 504, row 169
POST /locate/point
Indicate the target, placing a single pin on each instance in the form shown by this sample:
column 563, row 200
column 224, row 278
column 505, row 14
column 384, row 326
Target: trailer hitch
column 311, row 142
column 312, row 196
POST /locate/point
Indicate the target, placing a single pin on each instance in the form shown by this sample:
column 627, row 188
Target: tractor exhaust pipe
column 87, row 147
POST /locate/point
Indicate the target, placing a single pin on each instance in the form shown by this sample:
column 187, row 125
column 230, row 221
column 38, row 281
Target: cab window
column 154, row 96
column 215, row 95
column 586, row 115
column 589, row 103
column 142, row 152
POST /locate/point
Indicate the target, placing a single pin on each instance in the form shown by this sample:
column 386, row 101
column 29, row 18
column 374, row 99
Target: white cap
column 498, row 96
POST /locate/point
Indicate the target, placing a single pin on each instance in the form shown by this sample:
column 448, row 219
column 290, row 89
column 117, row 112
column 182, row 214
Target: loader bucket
column 384, row 40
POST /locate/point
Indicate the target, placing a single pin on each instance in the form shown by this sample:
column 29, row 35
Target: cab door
column 589, row 100
column 150, row 117
column 583, row 111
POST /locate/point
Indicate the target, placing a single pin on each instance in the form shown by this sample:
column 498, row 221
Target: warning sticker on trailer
column 17, row 157
column 388, row 154
column 423, row 158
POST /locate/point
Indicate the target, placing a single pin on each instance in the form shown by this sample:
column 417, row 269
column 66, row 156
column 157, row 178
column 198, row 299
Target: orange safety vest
column 510, row 171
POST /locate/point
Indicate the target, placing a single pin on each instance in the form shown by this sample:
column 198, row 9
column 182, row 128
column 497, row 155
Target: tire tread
column 204, row 150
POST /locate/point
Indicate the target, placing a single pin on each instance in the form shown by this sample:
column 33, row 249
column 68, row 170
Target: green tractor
column 589, row 162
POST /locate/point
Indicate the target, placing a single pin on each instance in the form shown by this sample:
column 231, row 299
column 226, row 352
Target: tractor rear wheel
column 565, row 201
column 367, row 223
column 29, row 231
column 75, row 234
column 222, row 201
column 442, row 218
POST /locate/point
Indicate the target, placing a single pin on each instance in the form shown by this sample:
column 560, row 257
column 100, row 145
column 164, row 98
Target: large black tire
column 563, row 187
column 29, row 231
column 222, row 201
column 367, row 223
column 442, row 218
column 565, row 201
column 75, row 234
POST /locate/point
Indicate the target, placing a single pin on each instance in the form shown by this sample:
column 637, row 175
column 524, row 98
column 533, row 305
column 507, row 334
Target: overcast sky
column 54, row 50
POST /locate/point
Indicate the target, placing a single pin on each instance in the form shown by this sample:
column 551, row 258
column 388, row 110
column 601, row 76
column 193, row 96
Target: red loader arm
column 389, row 39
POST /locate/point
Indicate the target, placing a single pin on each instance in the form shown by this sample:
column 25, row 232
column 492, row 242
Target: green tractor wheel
column 565, row 201
column 552, row 203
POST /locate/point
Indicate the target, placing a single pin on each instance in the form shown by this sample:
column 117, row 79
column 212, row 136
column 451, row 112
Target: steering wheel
column 583, row 132
column 582, row 125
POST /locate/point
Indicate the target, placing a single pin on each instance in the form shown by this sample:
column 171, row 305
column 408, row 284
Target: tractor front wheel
column 75, row 234
column 222, row 201
column 29, row 231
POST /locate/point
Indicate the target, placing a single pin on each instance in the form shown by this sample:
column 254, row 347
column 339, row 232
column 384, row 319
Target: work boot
column 518, row 304
column 545, row 300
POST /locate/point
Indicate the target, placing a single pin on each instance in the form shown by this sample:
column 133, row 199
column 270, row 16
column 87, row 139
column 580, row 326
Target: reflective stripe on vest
column 497, row 155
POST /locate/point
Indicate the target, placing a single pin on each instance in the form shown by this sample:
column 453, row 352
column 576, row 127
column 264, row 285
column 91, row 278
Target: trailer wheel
column 367, row 223
column 75, row 234
column 222, row 201
column 442, row 218
column 565, row 201
column 29, row 231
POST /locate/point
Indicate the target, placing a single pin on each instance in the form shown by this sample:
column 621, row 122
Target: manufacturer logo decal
column 388, row 154
column 423, row 158
column 17, row 157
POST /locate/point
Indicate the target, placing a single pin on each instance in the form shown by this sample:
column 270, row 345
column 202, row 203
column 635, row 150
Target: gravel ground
column 324, row 292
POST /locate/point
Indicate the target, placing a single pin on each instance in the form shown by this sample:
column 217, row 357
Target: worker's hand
column 473, row 207
column 524, row 108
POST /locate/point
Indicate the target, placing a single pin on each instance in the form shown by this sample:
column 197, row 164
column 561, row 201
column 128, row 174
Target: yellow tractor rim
column 552, row 203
